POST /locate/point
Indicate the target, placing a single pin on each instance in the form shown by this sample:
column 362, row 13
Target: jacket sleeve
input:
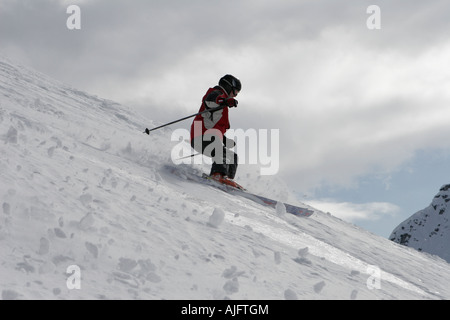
column 213, row 100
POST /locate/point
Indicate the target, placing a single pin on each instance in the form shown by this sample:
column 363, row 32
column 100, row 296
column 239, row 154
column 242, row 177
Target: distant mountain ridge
column 429, row 229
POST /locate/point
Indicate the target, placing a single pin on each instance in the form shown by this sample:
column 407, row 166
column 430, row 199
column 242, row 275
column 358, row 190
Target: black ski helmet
column 229, row 83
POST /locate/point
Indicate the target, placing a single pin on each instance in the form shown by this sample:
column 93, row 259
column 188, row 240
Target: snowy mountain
column 89, row 212
column 429, row 229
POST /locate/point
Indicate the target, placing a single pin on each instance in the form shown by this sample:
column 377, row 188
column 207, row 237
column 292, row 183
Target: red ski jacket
column 216, row 120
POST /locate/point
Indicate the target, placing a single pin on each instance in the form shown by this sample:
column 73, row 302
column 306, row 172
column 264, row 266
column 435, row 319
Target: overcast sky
column 363, row 113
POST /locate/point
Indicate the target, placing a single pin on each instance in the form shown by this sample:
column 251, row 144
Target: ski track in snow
column 320, row 249
column 283, row 232
column 291, row 236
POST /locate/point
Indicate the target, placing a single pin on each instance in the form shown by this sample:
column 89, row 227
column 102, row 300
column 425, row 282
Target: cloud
column 368, row 116
column 356, row 212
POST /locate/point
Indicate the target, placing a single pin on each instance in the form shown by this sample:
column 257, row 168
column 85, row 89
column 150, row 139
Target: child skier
column 208, row 129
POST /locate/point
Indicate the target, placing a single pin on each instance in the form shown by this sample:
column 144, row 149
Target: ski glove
column 231, row 102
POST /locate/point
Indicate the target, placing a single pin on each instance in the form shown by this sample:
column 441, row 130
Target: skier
column 208, row 130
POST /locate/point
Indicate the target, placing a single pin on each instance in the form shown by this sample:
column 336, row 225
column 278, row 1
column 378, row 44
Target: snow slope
column 88, row 212
column 428, row 229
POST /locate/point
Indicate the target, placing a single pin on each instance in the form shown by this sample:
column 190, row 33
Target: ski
column 295, row 210
column 292, row 209
column 229, row 183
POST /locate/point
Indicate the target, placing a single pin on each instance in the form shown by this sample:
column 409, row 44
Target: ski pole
column 147, row 131
column 190, row 156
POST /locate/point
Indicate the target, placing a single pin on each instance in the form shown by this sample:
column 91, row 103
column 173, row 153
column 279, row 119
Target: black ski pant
column 225, row 161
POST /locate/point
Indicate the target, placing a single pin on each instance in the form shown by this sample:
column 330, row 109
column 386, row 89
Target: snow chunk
column 280, row 209
column 231, row 286
column 303, row 252
column 319, row 286
column 277, row 257
column 11, row 136
column 290, row 295
column 92, row 248
column 216, row 218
